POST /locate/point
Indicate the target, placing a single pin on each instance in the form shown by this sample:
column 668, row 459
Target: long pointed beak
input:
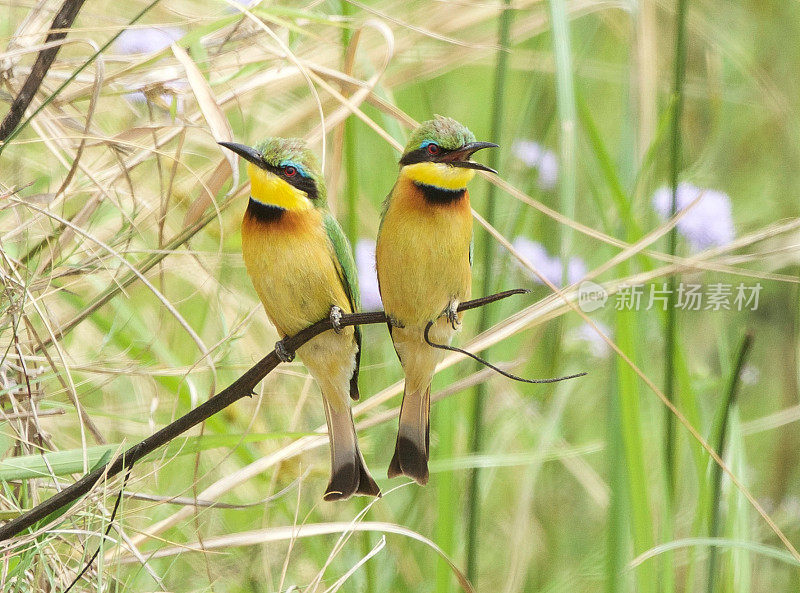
column 460, row 157
column 244, row 151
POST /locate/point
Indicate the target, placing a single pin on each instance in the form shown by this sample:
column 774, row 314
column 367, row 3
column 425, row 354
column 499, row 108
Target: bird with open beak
column 424, row 259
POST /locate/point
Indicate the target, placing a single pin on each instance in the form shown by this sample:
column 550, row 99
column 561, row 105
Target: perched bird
column 424, row 256
column 302, row 268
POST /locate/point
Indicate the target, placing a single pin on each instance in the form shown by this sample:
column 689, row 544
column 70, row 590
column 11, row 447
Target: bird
column 301, row 265
column 424, row 258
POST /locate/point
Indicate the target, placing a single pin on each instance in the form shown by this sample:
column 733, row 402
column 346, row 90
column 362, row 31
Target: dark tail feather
column 354, row 383
column 366, row 485
column 349, row 474
column 411, row 451
column 343, row 483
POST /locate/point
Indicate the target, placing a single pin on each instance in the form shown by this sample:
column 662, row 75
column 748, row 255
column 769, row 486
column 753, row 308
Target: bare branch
column 242, row 387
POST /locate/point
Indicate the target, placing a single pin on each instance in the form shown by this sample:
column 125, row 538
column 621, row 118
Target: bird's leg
column 394, row 322
column 336, row 318
column 451, row 312
column 284, row 354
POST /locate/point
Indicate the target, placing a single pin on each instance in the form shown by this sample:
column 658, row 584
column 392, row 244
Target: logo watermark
column 688, row 297
column 591, row 296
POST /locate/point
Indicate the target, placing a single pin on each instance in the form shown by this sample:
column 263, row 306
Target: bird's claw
column 394, row 322
column 284, row 354
column 452, row 315
column 336, row 319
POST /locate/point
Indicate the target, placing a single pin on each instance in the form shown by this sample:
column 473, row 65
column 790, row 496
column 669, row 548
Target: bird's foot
column 394, row 322
column 284, row 354
column 336, row 318
column 451, row 312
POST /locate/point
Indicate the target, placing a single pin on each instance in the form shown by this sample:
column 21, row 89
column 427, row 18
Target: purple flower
column 548, row 266
column 750, row 374
column 146, row 40
column 598, row 347
column 367, row 275
column 576, row 269
column 535, row 254
column 535, row 156
column 708, row 224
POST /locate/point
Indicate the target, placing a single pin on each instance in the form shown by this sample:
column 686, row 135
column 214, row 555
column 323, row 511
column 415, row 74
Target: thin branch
column 58, row 31
column 242, row 387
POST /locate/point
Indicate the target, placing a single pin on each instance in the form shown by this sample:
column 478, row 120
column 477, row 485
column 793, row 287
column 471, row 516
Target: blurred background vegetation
column 125, row 301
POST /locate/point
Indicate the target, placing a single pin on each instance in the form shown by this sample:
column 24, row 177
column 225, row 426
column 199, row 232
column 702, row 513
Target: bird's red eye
column 289, row 171
column 433, row 148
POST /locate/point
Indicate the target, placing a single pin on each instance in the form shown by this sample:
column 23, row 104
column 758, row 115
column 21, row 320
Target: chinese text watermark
column 687, row 297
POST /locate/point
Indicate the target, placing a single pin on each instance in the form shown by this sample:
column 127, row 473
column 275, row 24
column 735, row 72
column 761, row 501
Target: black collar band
column 440, row 195
column 265, row 212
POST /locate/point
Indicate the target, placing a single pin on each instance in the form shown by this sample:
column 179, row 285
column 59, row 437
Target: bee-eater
column 302, row 268
column 424, row 269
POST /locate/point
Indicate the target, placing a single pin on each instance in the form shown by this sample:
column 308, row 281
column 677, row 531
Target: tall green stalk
column 617, row 538
column 350, row 175
column 351, row 181
column 670, row 336
column 671, row 330
column 447, row 491
column 476, row 440
column 718, row 442
column 630, row 427
column 349, row 163
column 567, row 117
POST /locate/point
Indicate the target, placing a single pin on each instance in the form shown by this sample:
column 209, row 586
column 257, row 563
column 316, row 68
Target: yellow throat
column 268, row 188
column 439, row 175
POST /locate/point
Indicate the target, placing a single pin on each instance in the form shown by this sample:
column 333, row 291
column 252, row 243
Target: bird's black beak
column 246, row 152
column 460, row 157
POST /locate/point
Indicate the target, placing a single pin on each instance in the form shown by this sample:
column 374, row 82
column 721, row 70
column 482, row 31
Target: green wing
column 349, row 277
column 344, row 257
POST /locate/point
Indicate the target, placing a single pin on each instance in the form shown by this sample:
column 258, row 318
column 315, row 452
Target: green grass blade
column 617, row 526
column 640, row 515
column 488, row 250
column 718, row 442
column 71, row 461
column 740, row 576
column 670, row 336
column 565, row 101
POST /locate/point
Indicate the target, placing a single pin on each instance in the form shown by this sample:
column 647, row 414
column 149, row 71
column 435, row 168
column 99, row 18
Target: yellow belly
column 292, row 269
column 423, row 255
column 295, row 275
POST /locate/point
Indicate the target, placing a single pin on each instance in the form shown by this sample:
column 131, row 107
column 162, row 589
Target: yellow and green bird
column 424, row 269
column 302, row 268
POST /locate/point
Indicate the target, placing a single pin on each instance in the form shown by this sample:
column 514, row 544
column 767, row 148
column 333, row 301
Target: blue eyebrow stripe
column 425, row 143
column 296, row 165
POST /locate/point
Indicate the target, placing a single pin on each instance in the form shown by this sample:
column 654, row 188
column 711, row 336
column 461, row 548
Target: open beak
column 244, row 151
column 460, row 157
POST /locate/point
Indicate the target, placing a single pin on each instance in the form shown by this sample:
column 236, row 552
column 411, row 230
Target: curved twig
column 486, row 363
